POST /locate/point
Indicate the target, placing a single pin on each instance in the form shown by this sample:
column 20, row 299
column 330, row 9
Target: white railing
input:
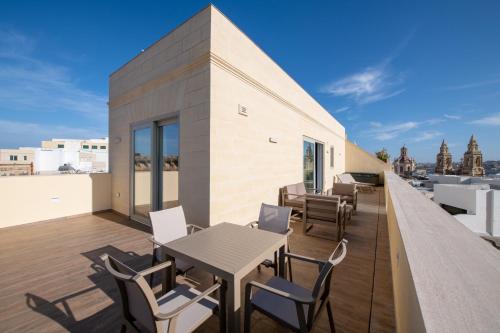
column 445, row 277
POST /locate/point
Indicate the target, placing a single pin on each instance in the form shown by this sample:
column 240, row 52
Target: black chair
column 182, row 309
column 291, row 305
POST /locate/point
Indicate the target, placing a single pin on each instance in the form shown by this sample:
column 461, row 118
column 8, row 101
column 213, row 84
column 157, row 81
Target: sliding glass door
column 169, row 166
column 155, row 168
column 313, row 164
column 142, row 172
column 309, row 164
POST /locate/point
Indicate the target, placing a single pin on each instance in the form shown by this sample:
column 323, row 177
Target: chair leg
column 330, row 316
column 275, row 266
column 290, row 269
column 248, row 309
column 152, row 264
column 289, row 265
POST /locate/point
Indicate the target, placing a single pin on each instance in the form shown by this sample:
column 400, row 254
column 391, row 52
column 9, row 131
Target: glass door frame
column 315, row 162
column 158, row 202
column 156, row 158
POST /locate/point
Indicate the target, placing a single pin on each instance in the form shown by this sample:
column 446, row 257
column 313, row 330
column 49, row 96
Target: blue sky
column 392, row 73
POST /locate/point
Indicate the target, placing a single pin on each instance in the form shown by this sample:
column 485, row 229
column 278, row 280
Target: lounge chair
column 182, row 309
column 291, row 305
column 347, row 193
column 346, row 178
column 324, row 209
column 168, row 225
column 293, row 195
column 275, row 219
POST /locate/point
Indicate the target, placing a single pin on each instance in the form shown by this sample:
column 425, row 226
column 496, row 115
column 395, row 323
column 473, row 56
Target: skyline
column 392, row 75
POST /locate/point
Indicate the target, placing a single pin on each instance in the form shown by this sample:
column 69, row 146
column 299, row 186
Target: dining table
column 230, row 252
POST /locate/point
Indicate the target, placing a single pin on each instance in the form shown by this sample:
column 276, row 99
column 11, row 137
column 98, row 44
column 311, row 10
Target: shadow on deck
column 52, row 278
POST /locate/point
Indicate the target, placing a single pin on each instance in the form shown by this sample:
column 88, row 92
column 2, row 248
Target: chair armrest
column 277, row 292
column 176, row 312
column 193, row 227
column 289, row 232
column 155, row 268
column 253, row 224
column 286, row 195
column 322, row 198
column 304, row 258
column 154, row 241
column 364, row 184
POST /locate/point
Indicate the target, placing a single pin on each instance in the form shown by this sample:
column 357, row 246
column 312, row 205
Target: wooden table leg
column 233, row 303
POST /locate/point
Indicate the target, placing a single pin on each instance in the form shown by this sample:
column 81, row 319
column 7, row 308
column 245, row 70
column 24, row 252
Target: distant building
column 16, row 162
column 404, row 165
column 444, row 163
column 56, row 156
column 476, row 206
column 473, row 160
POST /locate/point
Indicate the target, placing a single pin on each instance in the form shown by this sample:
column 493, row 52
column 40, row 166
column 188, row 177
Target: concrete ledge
column 445, row 277
column 26, row 199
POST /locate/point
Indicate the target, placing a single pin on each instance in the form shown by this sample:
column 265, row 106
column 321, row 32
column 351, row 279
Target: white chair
column 168, row 225
column 347, row 178
column 275, row 219
column 181, row 310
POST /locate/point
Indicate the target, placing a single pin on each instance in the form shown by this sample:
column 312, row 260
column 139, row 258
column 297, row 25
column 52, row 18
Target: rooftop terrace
column 52, row 279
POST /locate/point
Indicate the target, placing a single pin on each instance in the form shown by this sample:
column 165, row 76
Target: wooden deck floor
column 52, row 279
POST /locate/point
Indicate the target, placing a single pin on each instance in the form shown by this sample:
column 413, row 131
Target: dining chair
column 182, row 309
column 168, row 225
column 275, row 219
column 293, row 306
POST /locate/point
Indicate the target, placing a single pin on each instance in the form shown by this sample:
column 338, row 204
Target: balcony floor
column 52, row 279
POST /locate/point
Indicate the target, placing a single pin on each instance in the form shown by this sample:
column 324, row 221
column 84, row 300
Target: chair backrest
column 298, row 189
column 343, row 189
column 274, row 218
column 321, row 208
column 301, row 188
column 346, row 178
column 168, row 224
column 322, row 285
column 138, row 300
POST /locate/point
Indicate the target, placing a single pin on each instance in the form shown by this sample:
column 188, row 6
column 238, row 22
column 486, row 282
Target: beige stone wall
column 20, row 153
column 169, row 79
column 247, row 169
column 36, row 198
column 51, row 144
column 201, row 72
column 359, row 160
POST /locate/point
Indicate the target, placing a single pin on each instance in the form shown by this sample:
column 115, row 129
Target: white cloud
column 388, row 132
column 452, row 116
column 342, row 109
column 368, row 86
column 18, row 133
column 426, row 135
column 29, row 84
column 473, row 85
column 491, row 120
